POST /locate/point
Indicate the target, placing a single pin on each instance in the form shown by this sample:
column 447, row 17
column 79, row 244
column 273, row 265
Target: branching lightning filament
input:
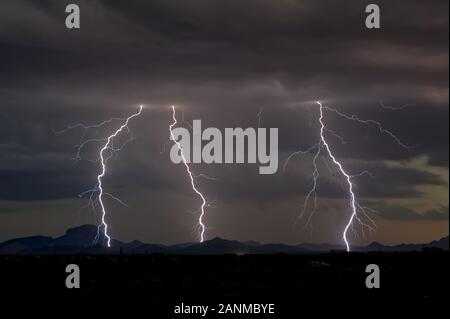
column 357, row 211
column 105, row 154
column 192, row 177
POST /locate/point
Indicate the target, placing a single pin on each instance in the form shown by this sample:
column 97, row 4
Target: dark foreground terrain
column 292, row 283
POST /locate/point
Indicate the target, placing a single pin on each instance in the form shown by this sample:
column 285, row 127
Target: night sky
column 223, row 62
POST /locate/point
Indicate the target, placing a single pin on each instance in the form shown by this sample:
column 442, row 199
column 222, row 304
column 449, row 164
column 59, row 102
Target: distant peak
column 376, row 244
column 82, row 228
column 219, row 240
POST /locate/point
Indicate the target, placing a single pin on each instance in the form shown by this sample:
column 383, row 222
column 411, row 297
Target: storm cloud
column 223, row 62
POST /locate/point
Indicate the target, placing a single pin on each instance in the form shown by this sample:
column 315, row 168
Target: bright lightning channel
column 191, row 177
column 107, row 146
column 347, row 176
column 324, row 144
column 103, row 159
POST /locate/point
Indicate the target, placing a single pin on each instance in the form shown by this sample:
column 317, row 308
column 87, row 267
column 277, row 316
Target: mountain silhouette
column 18, row 245
column 86, row 239
column 82, row 236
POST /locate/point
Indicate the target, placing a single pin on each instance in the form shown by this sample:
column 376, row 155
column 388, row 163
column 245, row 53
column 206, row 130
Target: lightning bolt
column 103, row 161
column 104, row 157
column 395, row 108
column 347, row 176
column 191, row 177
column 259, row 115
column 356, row 208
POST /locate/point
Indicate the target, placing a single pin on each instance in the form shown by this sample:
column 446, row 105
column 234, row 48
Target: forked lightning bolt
column 191, row 177
column 109, row 146
column 347, row 176
column 104, row 157
column 356, row 208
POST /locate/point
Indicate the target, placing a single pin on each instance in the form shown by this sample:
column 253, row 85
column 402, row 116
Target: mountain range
column 79, row 240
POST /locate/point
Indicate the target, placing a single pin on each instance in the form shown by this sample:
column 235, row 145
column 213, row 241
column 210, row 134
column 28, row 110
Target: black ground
column 292, row 283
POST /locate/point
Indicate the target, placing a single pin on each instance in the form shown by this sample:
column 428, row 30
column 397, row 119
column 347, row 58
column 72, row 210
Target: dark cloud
column 41, row 185
column 401, row 213
column 222, row 61
column 394, row 182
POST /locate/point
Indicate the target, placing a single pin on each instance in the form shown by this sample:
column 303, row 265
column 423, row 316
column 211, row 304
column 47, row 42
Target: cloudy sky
column 223, row 62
